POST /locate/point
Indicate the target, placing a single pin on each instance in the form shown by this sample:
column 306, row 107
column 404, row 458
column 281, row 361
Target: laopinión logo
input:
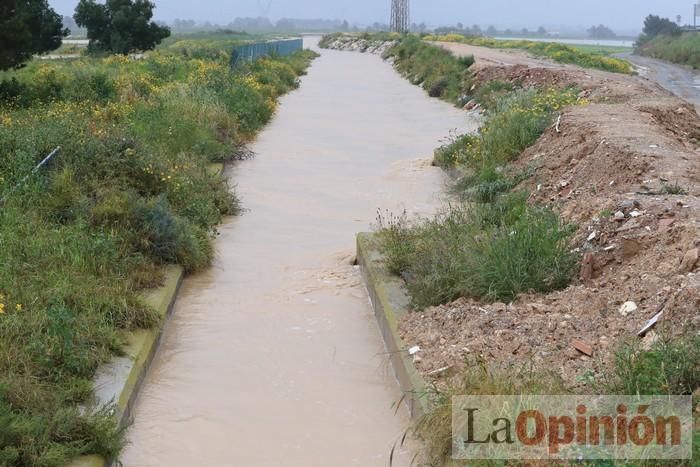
column 572, row 427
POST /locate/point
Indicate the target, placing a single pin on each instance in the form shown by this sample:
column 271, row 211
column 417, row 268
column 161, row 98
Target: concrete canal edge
column 390, row 302
column 118, row 382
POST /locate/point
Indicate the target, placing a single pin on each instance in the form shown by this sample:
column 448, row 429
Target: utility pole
column 400, row 16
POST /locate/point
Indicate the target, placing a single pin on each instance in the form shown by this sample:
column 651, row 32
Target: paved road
column 680, row 80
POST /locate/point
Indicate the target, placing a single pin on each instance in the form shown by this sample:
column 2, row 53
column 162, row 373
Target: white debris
column 414, row 350
column 627, row 308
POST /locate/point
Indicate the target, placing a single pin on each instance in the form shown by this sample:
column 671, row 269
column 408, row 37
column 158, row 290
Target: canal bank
column 273, row 356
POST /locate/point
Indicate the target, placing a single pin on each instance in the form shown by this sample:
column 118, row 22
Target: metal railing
column 250, row 52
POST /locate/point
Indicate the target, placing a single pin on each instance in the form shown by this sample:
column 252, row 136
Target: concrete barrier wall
column 390, row 303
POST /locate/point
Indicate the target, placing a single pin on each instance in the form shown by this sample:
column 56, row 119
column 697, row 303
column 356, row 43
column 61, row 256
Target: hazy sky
column 621, row 14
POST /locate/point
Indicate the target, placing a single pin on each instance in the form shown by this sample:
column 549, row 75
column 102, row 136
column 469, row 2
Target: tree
column 491, row 31
column 120, row 26
column 27, row 27
column 601, row 32
column 541, row 31
column 657, row 26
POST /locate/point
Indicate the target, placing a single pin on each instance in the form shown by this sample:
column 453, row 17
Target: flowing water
column 272, row 356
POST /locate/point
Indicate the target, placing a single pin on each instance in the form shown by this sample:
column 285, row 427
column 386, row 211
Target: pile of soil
column 625, row 169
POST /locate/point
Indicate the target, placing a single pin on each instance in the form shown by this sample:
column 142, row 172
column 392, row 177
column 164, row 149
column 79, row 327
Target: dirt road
column 682, row 81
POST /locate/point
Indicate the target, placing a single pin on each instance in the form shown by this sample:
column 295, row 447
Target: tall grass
column 130, row 191
column 684, row 50
column 492, row 251
column 492, row 244
column 436, row 70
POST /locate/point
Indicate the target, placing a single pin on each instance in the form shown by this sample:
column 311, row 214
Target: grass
column 561, row 53
column 491, row 243
column 436, row 70
column 492, row 251
column 684, row 50
column 434, row 429
column 85, row 235
column 673, row 189
column 670, row 367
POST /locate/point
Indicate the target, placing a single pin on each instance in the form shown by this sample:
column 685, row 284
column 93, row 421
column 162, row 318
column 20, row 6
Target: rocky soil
column 626, row 170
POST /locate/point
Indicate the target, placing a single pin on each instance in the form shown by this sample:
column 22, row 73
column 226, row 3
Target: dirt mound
column 624, row 169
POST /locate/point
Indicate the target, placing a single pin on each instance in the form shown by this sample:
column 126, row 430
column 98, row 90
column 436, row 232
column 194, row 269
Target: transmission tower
column 399, row 16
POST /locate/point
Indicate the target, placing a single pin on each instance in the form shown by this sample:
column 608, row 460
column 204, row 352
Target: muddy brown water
column 272, row 356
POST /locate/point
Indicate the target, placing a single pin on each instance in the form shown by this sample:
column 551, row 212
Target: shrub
column 492, row 251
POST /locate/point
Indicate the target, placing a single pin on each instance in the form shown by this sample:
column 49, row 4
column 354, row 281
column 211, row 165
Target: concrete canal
column 272, row 357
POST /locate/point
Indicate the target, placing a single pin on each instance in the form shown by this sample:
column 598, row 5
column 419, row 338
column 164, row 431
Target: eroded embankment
column 624, row 170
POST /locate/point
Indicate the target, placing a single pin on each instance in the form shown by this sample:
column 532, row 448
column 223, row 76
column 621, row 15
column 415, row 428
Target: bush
column 493, row 251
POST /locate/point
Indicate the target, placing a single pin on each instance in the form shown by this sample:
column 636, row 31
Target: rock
column 540, row 308
column 582, row 347
column 665, row 268
column 666, row 223
column 630, row 248
column 470, row 105
column 619, row 216
column 629, row 204
column 499, row 307
column 627, row 308
column 587, row 267
column 635, row 213
column 649, row 340
column 689, row 261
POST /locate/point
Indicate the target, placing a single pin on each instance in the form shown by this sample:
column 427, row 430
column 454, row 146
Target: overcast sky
column 621, row 14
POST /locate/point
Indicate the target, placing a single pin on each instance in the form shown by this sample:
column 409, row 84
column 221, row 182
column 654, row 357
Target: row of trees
column 597, row 32
column 29, row 27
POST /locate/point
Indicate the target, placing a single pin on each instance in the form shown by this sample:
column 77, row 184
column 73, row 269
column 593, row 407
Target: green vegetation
column 120, row 26
column 670, row 367
column 27, row 28
column 492, row 244
column 435, row 428
column 439, row 72
column 558, row 52
column 683, row 49
column 486, row 250
column 600, row 49
column 130, row 191
column 655, row 26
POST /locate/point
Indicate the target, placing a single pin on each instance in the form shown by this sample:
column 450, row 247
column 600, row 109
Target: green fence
column 249, row 52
